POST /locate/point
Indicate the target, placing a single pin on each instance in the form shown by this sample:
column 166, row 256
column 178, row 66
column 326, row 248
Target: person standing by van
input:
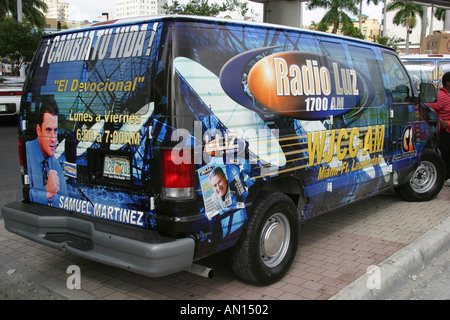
column 442, row 108
column 46, row 175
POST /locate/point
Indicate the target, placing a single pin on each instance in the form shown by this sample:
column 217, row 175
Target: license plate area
column 116, row 167
column 109, row 167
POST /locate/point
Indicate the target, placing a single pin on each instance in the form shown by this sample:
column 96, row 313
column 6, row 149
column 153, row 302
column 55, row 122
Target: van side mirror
column 428, row 93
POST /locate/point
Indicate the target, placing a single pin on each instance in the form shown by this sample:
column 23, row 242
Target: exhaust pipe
column 201, row 271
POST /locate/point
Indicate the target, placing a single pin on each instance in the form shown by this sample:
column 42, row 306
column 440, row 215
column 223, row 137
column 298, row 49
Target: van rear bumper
column 82, row 238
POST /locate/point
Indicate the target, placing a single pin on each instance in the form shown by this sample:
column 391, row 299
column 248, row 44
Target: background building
column 416, row 33
column 57, row 10
column 136, row 8
column 370, row 28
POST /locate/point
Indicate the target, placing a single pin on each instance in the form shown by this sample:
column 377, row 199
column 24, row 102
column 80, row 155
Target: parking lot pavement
column 336, row 251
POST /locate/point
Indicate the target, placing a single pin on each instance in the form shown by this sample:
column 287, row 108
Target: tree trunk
column 407, row 41
column 408, row 28
column 335, row 26
column 360, row 15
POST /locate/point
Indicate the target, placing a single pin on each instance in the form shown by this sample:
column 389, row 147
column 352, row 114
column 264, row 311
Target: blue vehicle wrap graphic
column 303, row 85
column 125, row 91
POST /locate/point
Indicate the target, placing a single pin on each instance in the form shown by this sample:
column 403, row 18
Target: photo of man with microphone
column 46, row 176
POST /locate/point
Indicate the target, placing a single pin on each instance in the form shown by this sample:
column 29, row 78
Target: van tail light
column 177, row 176
column 21, row 154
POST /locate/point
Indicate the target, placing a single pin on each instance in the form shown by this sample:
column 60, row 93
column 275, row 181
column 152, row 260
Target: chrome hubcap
column 275, row 239
column 424, row 177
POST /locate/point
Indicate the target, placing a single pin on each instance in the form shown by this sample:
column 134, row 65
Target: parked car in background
column 427, row 67
column 10, row 93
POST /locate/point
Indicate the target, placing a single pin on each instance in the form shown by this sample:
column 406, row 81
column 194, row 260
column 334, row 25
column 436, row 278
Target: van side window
column 334, row 50
column 398, row 79
column 364, row 60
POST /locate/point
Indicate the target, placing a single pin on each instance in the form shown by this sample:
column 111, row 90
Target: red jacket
column 442, row 106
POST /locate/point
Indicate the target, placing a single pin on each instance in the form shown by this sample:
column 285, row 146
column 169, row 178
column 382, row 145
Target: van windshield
column 420, row 71
column 443, row 67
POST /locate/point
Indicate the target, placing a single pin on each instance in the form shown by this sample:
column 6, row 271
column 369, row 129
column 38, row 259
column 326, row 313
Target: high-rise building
column 136, row 8
column 57, row 10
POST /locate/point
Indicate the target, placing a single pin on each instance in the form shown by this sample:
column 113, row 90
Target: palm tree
column 30, row 10
column 336, row 13
column 405, row 16
column 375, row 2
column 440, row 14
column 4, row 8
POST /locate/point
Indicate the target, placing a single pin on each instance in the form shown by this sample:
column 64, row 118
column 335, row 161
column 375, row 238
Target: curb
column 394, row 271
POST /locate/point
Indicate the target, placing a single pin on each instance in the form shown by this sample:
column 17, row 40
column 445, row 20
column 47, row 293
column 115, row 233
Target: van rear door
column 102, row 80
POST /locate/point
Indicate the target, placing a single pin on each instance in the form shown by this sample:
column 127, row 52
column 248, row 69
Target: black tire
column 426, row 181
column 269, row 242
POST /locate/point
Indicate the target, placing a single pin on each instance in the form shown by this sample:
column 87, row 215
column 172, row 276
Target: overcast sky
column 92, row 9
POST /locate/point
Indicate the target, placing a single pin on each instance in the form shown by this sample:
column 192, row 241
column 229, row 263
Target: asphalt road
column 10, row 185
column 432, row 283
column 15, row 285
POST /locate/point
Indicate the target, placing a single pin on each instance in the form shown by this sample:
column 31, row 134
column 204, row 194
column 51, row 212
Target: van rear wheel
column 269, row 242
column 426, row 181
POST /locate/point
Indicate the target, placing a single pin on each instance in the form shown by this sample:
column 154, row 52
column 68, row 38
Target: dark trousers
column 444, row 147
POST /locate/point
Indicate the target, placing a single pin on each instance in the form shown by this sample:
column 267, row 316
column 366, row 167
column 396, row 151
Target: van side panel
column 320, row 116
